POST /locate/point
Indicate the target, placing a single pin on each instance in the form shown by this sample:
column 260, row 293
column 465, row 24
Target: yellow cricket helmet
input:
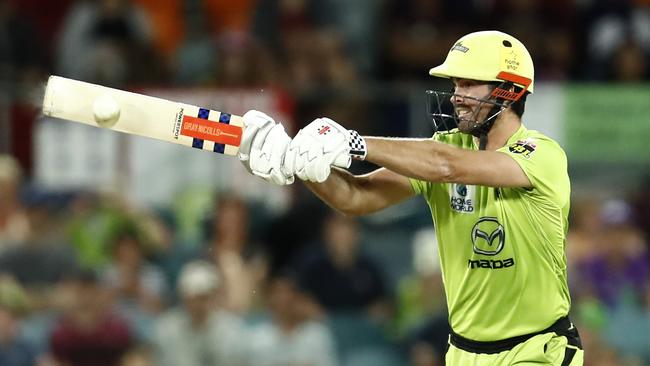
column 490, row 56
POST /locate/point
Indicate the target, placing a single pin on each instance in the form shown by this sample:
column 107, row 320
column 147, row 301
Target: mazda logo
column 488, row 236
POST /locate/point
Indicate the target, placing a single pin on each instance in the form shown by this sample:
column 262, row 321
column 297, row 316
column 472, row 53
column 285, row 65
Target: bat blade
column 147, row 116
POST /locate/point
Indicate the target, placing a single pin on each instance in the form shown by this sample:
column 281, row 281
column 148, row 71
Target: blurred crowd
column 91, row 279
column 306, row 44
column 332, row 56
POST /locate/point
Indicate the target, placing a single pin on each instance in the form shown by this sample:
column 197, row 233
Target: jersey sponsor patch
column 523, row 147
column 488, row 236
column 490, row 263
column 462, row 197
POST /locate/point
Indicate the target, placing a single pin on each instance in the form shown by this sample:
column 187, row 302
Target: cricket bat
column 142, row 115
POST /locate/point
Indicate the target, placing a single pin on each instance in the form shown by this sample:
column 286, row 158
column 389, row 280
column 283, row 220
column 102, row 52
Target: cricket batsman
column 499, row 196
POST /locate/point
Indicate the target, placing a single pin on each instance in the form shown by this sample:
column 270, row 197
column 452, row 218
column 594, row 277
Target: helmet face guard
column 443, row 113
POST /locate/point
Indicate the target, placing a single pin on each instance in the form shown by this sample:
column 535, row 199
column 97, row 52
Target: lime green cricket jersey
column 502, row 249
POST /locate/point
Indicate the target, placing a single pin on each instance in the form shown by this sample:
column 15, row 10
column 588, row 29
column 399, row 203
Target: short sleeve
column 420, row 186
column 545, row 164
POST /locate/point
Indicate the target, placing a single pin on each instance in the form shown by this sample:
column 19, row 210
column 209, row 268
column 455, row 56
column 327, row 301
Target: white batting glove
column 320, row 145
column 257, row 124
column 263, row 146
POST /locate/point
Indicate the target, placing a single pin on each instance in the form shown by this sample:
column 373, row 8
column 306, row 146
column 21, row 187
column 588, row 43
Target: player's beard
column 470, row 117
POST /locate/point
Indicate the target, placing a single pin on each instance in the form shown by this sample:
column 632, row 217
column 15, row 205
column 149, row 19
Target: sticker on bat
column 221, row 133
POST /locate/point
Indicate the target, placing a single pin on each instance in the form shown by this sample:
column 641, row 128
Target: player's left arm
column 324, row 142
column 433, row 161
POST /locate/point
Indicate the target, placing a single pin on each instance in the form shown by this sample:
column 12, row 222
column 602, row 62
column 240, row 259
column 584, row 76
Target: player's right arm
column 362, row 194
column 266, row 155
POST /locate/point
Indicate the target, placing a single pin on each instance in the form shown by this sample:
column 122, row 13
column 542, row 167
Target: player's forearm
column 363, row 194
column 340, row 191
column 422, row 159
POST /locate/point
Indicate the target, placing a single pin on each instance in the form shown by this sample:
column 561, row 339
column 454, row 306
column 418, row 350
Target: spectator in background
column 358, row 22
column 421, row 310
column 90, row 333
column 230, row 16
column 275, row 19
column 622, row 266
column 421, row 295
column 138, row 356
column 14, row 225
column 138, row 286
column 290, row 338
column 167, row 23
column 583, row 242
column 600, row 353
column 589, row 243
column 313, row 56
column 618, row 41
column 218, row 49
column 338, row 276
column 242, row 62
column 107, row 42
column 557, row 62
column 22, row 57
column 641, row 202
column 228, row 247
column 629, row 63
column 411, row 27
column 93, row 221
column 200, row 332
column 616, row 276
column 39, row 263
column 317, row 60
column 194, row 61
column 627, row 328
column 14, row 350
column 43, row 257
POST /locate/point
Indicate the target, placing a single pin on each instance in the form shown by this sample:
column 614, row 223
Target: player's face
column 468, row 106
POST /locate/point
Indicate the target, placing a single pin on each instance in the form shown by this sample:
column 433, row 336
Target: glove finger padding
column 279, row 143
column 343, row 160
column 257, row 125
column 298, row 154
column 315, row 148
column 292, row 160
column 267, row 156
column 319, row 169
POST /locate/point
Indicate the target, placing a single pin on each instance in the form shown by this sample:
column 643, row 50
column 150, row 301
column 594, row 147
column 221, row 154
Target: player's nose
column 456, row 99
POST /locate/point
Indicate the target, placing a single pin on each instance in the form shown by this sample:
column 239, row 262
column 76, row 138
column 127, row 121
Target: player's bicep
column 489, row 168
column 383, row 188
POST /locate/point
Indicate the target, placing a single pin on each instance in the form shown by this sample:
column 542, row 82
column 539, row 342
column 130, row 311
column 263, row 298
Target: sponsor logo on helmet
column 459, row 47
column 523, row 147
column 510, row 61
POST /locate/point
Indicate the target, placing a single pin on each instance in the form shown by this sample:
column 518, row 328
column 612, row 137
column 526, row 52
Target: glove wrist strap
column 358, row 149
